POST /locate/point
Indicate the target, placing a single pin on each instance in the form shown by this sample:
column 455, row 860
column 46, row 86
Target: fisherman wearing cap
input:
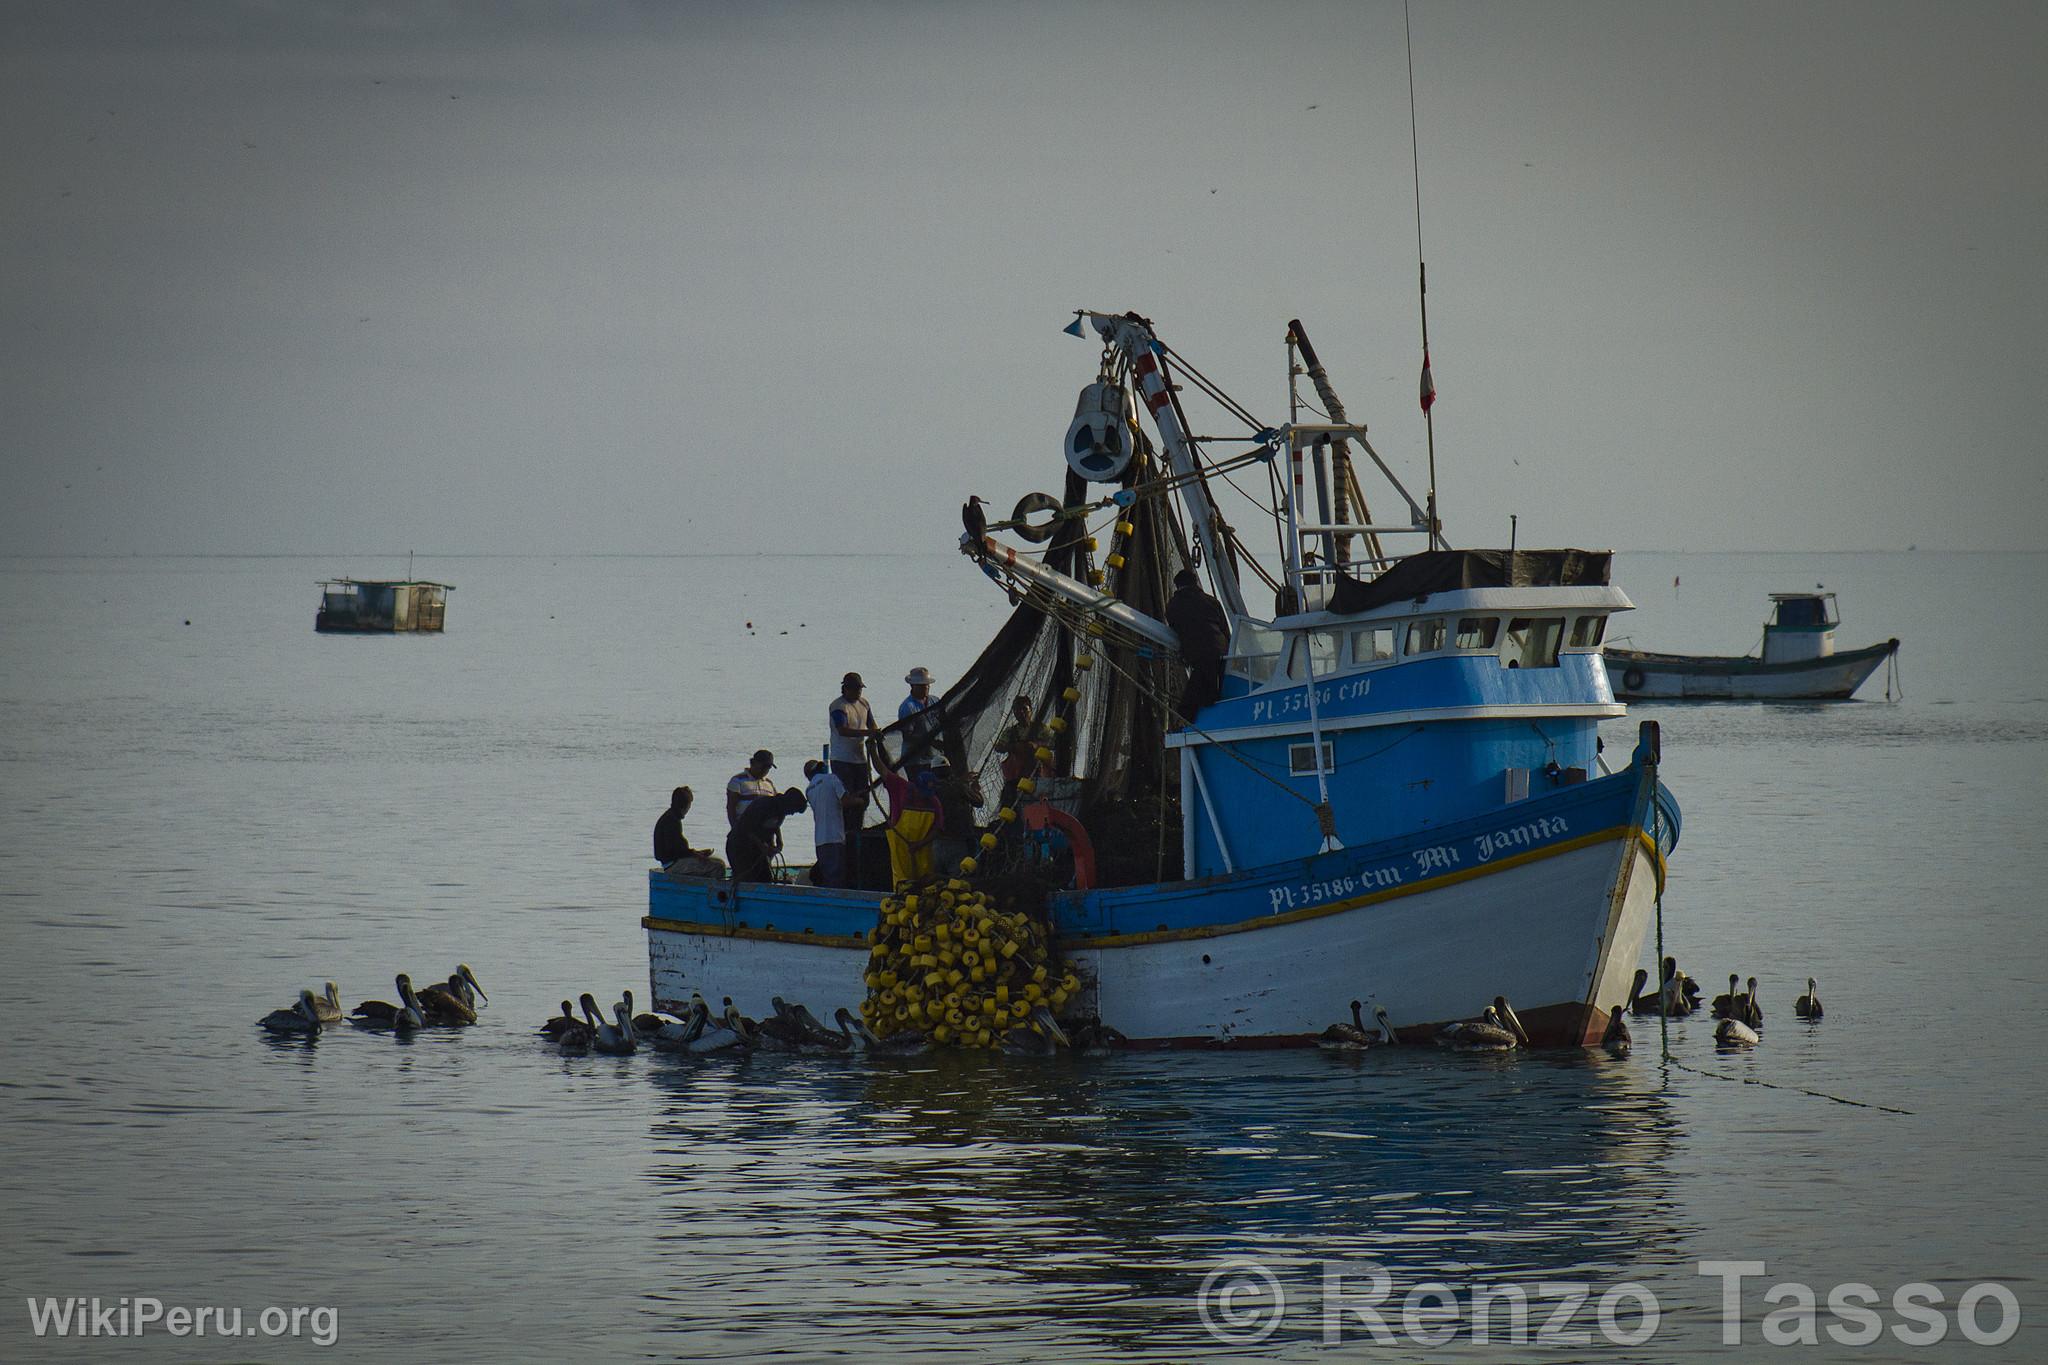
column 853, row 725
column 747, row 786
column 827, row 797
column 919, row 724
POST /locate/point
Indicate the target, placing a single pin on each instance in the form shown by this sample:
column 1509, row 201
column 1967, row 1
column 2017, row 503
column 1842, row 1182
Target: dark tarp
column 1434, row 571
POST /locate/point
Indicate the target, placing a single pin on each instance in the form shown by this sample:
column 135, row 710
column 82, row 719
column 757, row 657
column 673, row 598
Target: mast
column 1350, row 498
column 1134, row 338
column 1436, row 539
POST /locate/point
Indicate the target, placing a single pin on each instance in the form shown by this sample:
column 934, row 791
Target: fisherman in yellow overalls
column 915, row 821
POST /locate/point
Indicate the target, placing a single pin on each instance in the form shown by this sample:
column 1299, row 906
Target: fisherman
column 916, row 818
column 670, row 847
column 757, row 837
column 1019, row 744
column 827, row 797
column 747, row 786
column 853, row 725
column 1204, row 631
column 919, row 724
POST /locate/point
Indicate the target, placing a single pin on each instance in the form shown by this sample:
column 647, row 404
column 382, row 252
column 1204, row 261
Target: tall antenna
column 1436, row 539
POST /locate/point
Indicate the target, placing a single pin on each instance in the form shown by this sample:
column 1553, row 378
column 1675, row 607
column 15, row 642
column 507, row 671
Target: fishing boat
column 1394, row 792
column 1798, row 662
column 370, row 606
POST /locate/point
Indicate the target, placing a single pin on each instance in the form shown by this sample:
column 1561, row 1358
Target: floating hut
column 356, row 606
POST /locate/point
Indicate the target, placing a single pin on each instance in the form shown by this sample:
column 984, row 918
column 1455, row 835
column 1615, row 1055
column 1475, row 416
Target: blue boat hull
column 1546, row 901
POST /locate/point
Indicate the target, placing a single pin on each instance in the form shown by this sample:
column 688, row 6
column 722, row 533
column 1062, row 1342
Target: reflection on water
column 197, row 821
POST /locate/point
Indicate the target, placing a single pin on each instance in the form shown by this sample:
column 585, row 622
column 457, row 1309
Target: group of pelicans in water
column 1497, row 1029
column 1740, row 1010
column 791, row 1028
column 451, row 1002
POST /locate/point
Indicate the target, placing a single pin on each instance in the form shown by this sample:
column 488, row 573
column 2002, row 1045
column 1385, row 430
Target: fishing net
column 1109, row 767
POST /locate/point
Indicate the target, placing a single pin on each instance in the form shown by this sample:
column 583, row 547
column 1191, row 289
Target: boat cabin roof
column 383, row 583
column 1814, row 596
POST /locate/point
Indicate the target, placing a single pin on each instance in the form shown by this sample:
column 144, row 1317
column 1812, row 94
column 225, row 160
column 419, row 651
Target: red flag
column 1428, row 385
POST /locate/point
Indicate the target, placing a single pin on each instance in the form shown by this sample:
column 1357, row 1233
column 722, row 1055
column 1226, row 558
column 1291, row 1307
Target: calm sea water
column 204, row 805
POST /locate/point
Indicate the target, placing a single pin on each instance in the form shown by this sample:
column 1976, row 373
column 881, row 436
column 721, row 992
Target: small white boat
column 1799, row 662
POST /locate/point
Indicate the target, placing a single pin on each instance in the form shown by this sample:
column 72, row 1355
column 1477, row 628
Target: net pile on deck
column 1110, row 764
column 960, row 964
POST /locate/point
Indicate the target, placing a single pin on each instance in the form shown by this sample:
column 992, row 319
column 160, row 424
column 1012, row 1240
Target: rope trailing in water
column 1773, row 1085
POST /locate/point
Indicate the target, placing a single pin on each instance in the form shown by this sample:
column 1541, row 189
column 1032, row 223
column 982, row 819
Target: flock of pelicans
column 793, row 1028
column 454, row 1001
column 1498, row 1030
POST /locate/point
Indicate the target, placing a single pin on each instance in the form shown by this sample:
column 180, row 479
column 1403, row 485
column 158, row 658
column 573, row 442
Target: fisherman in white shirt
column 827, row 797
column 852, row 723
column 748, row 785
column 919, row 728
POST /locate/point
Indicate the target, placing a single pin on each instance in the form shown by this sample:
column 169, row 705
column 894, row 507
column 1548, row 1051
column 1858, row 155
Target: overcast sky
column 358, row 278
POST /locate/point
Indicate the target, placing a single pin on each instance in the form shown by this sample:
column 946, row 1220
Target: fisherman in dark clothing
column 1204, row 631
column 669, row 845
column 757, row 838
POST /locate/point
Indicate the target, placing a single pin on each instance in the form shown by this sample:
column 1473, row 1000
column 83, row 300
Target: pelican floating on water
column 1726, row 1005
column 1616, row 1039
column 328, row 1007
column 302, row 1017
column 616, row 1039
column 446, row 1002
column 1735, row 1033
column 1641, row 1001
column 1488, row 1033
column 406, row 1015
column 1807, row 1006
column 1351, row 1037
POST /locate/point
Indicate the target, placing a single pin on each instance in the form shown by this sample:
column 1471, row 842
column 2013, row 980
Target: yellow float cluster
column 956, row 963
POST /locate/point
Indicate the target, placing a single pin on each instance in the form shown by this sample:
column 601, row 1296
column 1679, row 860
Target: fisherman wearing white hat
column 919, row 724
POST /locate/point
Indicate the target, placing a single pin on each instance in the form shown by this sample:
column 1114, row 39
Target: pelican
column 779, row 1032
column 1725, row 1005
column 328, row 1007
column 562, row 1023
column 1672, row 997
column 664, row 1033
column 1616, row 1039
column 1487, row 1033
column 1735, row 1033
column 302, row 1017
column 1350, row 1037
column 704, row 1034
column 473, row 990
column 747, row 1030
column 616, row 1040
column 381, row 1012
column 1752, row 1007
column 1807, row 1006
column 1641, row 1001
column 1041, row 1036
column 443, row 1002
column 1510, row 1020
column 576, row 1037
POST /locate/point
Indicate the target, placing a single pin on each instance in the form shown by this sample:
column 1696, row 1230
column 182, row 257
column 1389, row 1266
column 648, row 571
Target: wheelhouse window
column 1588, row 631
column 1311, row 648
column 1425, row 637
column 1301, row 759
column 1372, row 645
column 1532, row 641
column 1477, row 632
column 1255, row 652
